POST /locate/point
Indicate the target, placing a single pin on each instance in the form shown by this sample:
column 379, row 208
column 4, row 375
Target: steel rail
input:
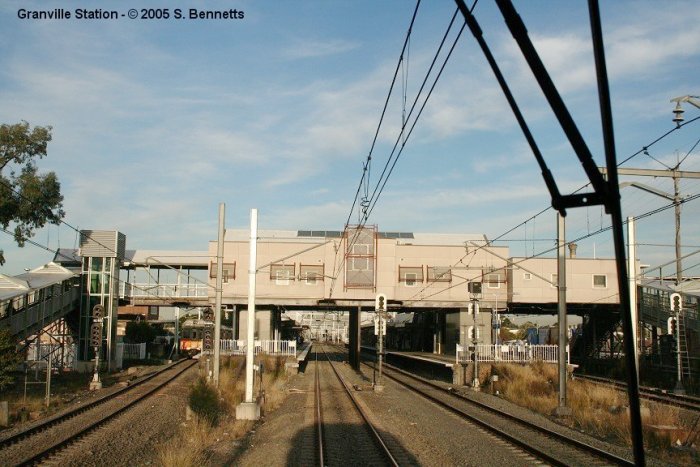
column 319, row 415
column 375, row 434
column 47, row 452
column 60, row 418
column 652, row 394
column 533, row 450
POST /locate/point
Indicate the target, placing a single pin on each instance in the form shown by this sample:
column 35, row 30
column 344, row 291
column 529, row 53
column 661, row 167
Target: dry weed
column 197, row 442
column 188, row 447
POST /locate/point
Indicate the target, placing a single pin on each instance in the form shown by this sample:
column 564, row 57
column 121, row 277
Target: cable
column 583, row 237
column 402, row 136
column 57, row 253
column 381, row 118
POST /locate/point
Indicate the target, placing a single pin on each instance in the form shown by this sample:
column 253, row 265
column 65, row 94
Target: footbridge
column 31, row 301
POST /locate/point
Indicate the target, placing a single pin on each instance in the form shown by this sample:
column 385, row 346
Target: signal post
column 98, row 312
column 674, row 330
column 380, row 331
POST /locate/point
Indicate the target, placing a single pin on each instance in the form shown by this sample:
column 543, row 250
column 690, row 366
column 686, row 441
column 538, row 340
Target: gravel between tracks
column 133, row 437
column 417, row 433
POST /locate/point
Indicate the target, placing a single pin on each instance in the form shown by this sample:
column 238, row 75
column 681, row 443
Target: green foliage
column 9, row 358
column 28, row 199
column 204, row 401
column 140, row 331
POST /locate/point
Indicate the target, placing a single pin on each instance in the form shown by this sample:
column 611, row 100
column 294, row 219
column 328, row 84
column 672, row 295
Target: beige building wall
column 587, row 281
column 394, row 257
column 516, row 280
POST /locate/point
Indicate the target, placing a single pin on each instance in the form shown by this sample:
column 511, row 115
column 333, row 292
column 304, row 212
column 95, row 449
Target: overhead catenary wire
column 403, row 136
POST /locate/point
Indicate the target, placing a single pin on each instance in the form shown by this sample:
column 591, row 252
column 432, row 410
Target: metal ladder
column 683, row 347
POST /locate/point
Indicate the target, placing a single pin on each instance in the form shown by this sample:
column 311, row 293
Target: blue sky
column 157, row 121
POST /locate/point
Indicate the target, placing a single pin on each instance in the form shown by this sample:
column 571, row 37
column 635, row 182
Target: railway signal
column 207, row 341
column 676, row 303
column 96, row 336
column 98, row 312
column 380, row 329
column 671, row 326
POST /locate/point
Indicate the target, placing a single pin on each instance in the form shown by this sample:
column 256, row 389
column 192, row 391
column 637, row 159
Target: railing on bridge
column 269, row 347
column 153, row 291
column 510, row 353
column 31, row 312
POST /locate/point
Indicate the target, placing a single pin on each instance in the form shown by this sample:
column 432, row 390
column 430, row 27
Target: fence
column 129, row 352
column 270, row 347
column 510, row 353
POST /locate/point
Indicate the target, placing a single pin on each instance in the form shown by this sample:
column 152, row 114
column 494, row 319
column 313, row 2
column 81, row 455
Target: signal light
column 207, row 341
column 676, row 303
column 671, row 326
column 380, row 302
column 98, row 311
column 96, row 334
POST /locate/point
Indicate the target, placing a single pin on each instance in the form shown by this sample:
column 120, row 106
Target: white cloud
column 302, row 49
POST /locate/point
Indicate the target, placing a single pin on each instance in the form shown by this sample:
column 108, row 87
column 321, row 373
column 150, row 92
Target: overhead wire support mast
column 604, row 193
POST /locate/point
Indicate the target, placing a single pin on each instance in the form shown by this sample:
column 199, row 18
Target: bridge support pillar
column 354, row 338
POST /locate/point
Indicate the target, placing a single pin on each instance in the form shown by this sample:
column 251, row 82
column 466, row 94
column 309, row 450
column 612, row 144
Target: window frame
column 605, row 278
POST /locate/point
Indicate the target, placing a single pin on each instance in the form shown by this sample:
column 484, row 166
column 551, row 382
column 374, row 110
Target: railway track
column 41, row 441
column 648, row 393
column 325, row 440
column 545, row 444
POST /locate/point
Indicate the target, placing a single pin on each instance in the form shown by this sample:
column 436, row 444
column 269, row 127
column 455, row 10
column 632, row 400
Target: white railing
column 129, row 351
column 510, row 353
column 269, row 347
column 146, row 290
column 134, row 351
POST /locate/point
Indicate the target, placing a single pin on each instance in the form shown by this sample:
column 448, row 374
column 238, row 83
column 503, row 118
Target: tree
column 9, row 358
column 28, row 199
column 138, row 332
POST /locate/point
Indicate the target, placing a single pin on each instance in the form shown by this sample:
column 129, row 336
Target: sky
column 157, row 121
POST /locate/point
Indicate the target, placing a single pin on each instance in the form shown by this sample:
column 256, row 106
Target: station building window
column 493, row 280
column 282, row 273
column 439, row 274
column 600, row 281
column 411, row 275
column 311, row 274
column 228, row 274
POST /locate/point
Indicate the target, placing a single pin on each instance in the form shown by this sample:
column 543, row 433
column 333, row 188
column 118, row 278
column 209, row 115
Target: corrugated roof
column 35, row 279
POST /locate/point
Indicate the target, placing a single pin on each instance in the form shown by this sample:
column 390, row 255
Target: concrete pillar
column 355, row 338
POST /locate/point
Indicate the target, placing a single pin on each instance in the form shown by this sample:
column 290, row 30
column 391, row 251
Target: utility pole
column 676, row 175
column 219, row 285
column 632, row 277
column 249, row 409
column 562, row 409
